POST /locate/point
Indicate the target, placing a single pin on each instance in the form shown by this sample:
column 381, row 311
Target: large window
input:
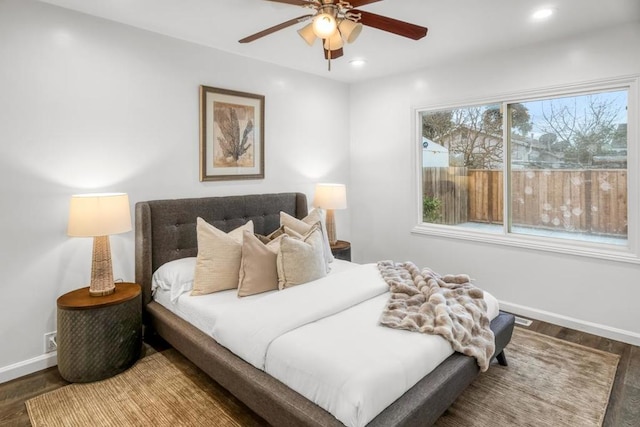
column 553, row 168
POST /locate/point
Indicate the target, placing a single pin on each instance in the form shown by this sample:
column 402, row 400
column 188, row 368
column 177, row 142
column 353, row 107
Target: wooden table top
column 340, row 244
column 81, row 300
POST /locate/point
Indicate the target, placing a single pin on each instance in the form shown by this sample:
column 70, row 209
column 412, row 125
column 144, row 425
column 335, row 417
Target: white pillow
column 175, row 276
column 219, row 256
column 301, row 261
column 303, row 226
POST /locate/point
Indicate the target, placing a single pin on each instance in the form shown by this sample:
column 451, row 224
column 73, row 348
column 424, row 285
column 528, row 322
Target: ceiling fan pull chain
column 329, row 55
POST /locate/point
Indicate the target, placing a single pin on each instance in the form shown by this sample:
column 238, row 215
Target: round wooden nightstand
column 99, row 337
column 341, row 250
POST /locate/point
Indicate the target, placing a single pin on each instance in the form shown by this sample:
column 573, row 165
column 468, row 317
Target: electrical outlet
column 50, row 343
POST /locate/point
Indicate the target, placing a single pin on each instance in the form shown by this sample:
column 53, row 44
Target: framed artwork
column 231, row 135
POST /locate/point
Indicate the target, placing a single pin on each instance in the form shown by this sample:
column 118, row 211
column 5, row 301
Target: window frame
column 629, row 253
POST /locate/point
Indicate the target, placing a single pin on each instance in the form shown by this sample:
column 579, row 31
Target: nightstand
column 99, row 337
column 341, row 250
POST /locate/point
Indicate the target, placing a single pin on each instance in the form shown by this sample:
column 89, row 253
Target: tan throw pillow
column 301, row 261
column 258, row 270
column 272, row 236
column 219, row 256
column 303, row 226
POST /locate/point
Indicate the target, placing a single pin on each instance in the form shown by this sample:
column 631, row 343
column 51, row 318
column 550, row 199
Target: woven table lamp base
column 331, row 227
column 101, row 268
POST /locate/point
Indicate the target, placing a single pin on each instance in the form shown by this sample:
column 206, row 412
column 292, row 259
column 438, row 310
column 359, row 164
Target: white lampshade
column 324, row 25
column 350, row 30
column 330, row 196
column 99, row 214
column 334, row 42
column 308, row 34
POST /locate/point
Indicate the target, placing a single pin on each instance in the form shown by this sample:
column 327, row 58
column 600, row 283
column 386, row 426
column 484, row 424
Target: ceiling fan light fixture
column 308, row 34
column 334, row 42
column 324, row 25
column 337, row 22
column 350, row 30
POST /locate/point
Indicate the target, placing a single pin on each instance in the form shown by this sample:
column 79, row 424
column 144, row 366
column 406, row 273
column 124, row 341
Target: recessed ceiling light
column 542, row 14
column 358, row 63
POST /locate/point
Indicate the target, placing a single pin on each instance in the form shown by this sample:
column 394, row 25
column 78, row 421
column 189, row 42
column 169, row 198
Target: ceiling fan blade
column 334, row 53
column 391, row 25
column 358, row 3
column 293, row 2
column 275, row 28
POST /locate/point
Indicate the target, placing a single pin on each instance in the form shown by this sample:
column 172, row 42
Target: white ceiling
column 457, row 28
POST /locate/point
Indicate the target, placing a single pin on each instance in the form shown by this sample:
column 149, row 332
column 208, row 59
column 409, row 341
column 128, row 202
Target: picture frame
column 231, row 135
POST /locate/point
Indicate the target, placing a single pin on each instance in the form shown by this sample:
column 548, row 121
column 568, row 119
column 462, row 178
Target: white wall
column 581, row 292
column 90, row 105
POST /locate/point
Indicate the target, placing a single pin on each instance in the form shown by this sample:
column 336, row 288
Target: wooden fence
column 591, row 201
column 449, row 185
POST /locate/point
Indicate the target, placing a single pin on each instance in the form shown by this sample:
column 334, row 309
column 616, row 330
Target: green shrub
column 431, row 209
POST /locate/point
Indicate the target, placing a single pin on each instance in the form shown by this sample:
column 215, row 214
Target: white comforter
column 323, row 340
column 249, row 330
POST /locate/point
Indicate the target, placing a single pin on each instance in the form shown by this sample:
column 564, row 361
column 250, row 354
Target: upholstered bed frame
column 166, row 230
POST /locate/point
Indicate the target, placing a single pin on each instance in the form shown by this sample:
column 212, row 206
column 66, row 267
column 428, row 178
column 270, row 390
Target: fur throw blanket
column 424, row 301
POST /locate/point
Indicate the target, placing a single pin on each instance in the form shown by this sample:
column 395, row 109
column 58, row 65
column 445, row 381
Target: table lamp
column 98, row 216
column 330, row 197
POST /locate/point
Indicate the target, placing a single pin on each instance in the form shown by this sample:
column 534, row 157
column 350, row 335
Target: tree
column 437, row 125
column 479, row 137
column 520, row 118
column 584, row 126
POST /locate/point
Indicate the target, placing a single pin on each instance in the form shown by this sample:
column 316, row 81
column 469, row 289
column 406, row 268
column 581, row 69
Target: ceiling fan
column 336, row 22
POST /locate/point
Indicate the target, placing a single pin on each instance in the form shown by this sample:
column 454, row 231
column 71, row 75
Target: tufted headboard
column 166, row 229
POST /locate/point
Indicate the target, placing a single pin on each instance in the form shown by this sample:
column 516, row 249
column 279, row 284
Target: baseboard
column 569, row 322
column 26, row 367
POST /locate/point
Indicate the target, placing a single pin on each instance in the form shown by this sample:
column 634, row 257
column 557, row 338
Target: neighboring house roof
column 433, row 147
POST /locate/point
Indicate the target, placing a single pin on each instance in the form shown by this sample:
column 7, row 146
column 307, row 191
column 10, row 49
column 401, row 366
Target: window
column 549, row 171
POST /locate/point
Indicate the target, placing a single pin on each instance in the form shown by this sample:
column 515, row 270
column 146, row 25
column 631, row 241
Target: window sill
column 578, row 248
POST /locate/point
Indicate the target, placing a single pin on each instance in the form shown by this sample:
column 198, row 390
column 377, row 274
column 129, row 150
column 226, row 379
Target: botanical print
column 233, row 135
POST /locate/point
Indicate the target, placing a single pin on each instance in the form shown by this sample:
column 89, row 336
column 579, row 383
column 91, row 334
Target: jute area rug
column 162, row 389
column 548, row 382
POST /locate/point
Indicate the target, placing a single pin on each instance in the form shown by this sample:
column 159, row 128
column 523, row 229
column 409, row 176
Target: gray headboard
column 166, row 229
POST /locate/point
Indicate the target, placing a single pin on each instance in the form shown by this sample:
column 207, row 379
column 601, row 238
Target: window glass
column 569, row 168
column 566, row 159
column 462, row 162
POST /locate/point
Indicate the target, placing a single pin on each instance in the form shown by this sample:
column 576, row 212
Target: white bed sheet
column 249, row 330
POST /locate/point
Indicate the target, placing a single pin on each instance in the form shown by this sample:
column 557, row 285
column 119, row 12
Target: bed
column 166, row 231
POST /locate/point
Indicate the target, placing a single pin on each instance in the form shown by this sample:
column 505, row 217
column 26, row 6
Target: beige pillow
column 272, row 236
column 258, row 270
column 291, row 233
column 303, row 226
column 301, row 261
column 219, row 256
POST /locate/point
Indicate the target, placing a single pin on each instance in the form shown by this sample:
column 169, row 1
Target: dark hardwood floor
column 623, row 409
